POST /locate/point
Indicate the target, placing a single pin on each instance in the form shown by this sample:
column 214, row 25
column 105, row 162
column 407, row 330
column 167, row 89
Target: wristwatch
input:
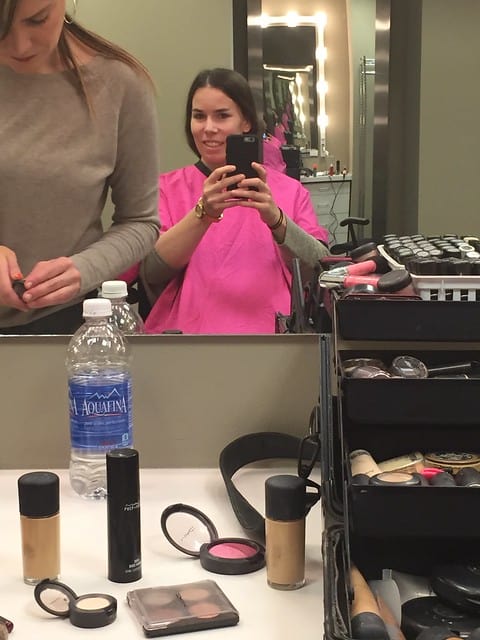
column 200, row 211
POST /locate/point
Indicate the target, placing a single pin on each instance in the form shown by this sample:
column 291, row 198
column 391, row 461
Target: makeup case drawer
column 367, row 318
column 406, row 401
column 411, row 563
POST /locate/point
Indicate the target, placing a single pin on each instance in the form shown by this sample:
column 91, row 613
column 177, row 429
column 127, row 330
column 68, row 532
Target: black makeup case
column 409, row 529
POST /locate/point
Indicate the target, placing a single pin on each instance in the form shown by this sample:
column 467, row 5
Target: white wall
column 174, row 39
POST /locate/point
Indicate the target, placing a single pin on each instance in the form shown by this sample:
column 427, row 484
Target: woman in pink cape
column 222, row 261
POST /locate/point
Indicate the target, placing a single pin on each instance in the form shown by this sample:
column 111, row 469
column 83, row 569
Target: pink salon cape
column 236, row 279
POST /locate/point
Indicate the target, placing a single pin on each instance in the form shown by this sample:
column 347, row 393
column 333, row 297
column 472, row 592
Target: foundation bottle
column 285, row 508
column 38, row 496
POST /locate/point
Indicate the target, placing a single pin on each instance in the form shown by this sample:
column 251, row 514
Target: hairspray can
column 123, row 513
column 285, row 508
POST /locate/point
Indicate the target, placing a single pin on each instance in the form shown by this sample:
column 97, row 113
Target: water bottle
column 100, row 397
column 123, row 315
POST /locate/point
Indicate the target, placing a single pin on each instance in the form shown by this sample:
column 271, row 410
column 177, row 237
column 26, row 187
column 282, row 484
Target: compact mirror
column 187, row 528
column 55, row 598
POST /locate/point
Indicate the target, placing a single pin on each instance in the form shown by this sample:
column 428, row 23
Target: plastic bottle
column 285, row 508
column 100, row 397
column 123, row 315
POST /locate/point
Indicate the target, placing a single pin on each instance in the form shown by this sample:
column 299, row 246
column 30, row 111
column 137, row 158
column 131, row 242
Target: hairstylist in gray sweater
column 77, row 118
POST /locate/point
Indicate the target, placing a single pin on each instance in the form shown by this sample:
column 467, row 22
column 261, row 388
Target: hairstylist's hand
column 9, row 271
column 216, row 197
column 51, row 282
column 260, row 197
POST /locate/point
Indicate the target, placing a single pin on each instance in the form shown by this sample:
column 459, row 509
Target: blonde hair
column 91, row 40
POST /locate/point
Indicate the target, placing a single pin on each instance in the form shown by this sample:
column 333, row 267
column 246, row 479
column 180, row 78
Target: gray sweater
column 58, row 162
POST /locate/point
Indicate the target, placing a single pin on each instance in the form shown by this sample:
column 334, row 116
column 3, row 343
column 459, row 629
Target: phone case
column 242, row 150
column 164, row 611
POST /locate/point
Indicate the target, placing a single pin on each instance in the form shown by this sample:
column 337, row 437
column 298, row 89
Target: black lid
column 426, row 267
column 38, row 494
column 463, row 267
column 394, row 280
column 285, row 497
column 122, row 473
column 452, row 252
column 363, row 250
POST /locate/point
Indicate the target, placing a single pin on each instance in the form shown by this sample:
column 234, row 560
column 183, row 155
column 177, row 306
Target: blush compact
column 191, row 531
column 89, row 611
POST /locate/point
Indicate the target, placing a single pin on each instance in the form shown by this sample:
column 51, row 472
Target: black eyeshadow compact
column 89, row 611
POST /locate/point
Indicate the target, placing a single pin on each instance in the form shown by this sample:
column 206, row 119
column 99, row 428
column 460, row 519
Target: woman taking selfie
column 222, row 261
column 77, row 120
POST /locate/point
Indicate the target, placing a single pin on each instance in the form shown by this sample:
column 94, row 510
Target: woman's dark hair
column 234, row 85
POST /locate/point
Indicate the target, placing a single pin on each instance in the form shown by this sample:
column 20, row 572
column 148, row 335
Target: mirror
column 291, row 76
column 174, row 38
column 309, row 41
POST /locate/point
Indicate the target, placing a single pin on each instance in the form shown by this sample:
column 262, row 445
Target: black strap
column 252, row 448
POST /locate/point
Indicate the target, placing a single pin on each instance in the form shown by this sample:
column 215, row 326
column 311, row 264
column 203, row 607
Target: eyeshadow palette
column 180, row 608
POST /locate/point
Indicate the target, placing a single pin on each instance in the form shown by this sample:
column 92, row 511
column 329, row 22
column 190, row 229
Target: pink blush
column 232, row 550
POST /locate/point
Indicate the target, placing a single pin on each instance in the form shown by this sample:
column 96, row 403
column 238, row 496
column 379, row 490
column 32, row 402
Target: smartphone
column 242, row 150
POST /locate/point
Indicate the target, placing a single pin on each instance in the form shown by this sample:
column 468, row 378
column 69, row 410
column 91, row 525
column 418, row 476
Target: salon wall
column 192, row 395
column 449, row 188
column 174, row 39
column 337, row 68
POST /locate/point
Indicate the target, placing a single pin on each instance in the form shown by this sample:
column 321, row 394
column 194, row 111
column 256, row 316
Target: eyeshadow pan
column 193, row 594
column 91, row 604
column 204, row 609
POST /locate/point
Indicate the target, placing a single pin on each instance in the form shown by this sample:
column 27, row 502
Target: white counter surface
column 327, row 178
column 264, row 612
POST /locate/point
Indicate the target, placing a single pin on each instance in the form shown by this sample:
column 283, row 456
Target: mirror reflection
column 293, row 103
column 290, row 84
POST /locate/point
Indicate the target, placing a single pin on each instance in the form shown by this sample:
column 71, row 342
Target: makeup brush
column 366, row 621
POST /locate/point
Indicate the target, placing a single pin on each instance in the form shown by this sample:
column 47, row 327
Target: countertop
column 264, row 612
column 327, row 178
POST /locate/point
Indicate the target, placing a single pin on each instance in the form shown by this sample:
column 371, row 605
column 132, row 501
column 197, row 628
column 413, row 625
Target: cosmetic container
column 123, row 513
column 89, row 611
column 38, row 497
column 192, row 532
column 285, row 505
column 361, row 462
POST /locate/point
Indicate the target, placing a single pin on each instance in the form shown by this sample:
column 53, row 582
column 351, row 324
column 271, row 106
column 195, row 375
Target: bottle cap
column 114, row 289
column 285, row 498
column 122, row 474
column 38, row 494
column 97, row 308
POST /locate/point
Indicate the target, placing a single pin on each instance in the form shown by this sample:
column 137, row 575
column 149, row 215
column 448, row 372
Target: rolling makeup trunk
column 407, row 529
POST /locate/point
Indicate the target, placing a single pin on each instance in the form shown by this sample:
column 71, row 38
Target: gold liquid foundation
column 38, row 495
column 285, row 497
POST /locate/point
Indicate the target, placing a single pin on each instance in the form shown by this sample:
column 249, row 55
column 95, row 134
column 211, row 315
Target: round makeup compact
column 452, row 461
column 395, row 479
column 191, row 531
column 89, row 611
column 408, row 367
